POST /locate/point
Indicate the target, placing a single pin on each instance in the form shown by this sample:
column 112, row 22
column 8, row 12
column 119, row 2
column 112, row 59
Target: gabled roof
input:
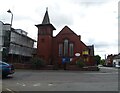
column 66, row 30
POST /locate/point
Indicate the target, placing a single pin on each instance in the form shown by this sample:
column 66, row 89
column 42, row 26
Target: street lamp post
column 9, row 11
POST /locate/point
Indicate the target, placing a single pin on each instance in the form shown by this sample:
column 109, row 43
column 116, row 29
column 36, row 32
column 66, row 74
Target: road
column 59, row 80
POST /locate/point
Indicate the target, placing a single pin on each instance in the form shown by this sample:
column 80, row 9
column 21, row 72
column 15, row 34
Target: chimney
column 79, row 36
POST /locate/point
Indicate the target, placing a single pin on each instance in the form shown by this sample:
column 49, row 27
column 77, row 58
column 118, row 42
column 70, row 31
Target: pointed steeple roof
column 46, row 19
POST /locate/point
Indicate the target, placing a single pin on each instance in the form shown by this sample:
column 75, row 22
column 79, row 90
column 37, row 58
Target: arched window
column 65, row 47
column 60, row 49
column 71, row 52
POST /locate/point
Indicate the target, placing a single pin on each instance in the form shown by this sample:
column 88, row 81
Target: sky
column 95, row 20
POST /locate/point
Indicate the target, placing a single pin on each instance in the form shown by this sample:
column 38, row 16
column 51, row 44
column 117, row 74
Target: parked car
column 6, row 69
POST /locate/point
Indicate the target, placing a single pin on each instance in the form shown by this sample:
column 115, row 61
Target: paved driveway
column 60, row 80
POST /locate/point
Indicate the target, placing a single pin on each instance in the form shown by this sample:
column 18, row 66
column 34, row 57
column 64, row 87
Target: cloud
column 21, row 17
column 62, row 19
column 104, row 46
column 88, row 3
column 102, row 43
column 58, row 13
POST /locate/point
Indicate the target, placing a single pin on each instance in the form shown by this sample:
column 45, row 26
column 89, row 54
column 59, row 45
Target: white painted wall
column 116, row 62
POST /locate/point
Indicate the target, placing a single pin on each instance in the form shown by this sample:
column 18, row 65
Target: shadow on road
column 8, row 77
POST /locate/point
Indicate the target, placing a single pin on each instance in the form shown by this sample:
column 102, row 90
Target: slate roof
column 46, row 19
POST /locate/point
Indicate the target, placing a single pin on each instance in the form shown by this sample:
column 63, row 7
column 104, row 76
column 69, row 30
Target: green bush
column 37, row 62
column 80, row 63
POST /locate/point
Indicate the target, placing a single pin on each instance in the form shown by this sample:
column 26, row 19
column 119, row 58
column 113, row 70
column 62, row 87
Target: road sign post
column 65, row 60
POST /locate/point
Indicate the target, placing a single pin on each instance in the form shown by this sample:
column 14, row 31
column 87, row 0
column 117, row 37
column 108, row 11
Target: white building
column 116, row 61
column 19, row 45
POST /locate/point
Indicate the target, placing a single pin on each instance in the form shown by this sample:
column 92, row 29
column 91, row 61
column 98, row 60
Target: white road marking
column 9, row 90
column 97, row 73
column 50, row 84
column 38, row 84
column 102, row 73
column 109, row 68
column 21, row 84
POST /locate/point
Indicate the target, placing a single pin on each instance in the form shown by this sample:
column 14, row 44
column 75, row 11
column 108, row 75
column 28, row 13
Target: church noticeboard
column 65, row 60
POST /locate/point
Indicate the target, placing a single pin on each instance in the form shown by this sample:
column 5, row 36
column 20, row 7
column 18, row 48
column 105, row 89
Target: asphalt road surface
column 60, row 80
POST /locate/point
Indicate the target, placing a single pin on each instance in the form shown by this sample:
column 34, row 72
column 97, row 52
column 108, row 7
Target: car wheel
column 3, row 75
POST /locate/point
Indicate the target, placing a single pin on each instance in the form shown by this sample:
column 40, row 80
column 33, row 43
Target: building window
column 119, row 63
column 43, row 31
column 86, row 59
column 71, row 52
column 65, row 47
column 85, row 52
column 60, row 49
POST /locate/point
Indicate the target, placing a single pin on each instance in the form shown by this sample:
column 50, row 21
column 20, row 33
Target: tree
column 97, row 59
column 102, row 62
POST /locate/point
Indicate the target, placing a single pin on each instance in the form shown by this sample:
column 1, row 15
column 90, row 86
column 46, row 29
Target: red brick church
column 65, row 44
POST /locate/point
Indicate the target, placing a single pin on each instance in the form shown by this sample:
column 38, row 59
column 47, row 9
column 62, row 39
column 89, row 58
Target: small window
column 119, row 63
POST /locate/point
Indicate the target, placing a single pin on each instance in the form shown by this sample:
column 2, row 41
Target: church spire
column 46, row 19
